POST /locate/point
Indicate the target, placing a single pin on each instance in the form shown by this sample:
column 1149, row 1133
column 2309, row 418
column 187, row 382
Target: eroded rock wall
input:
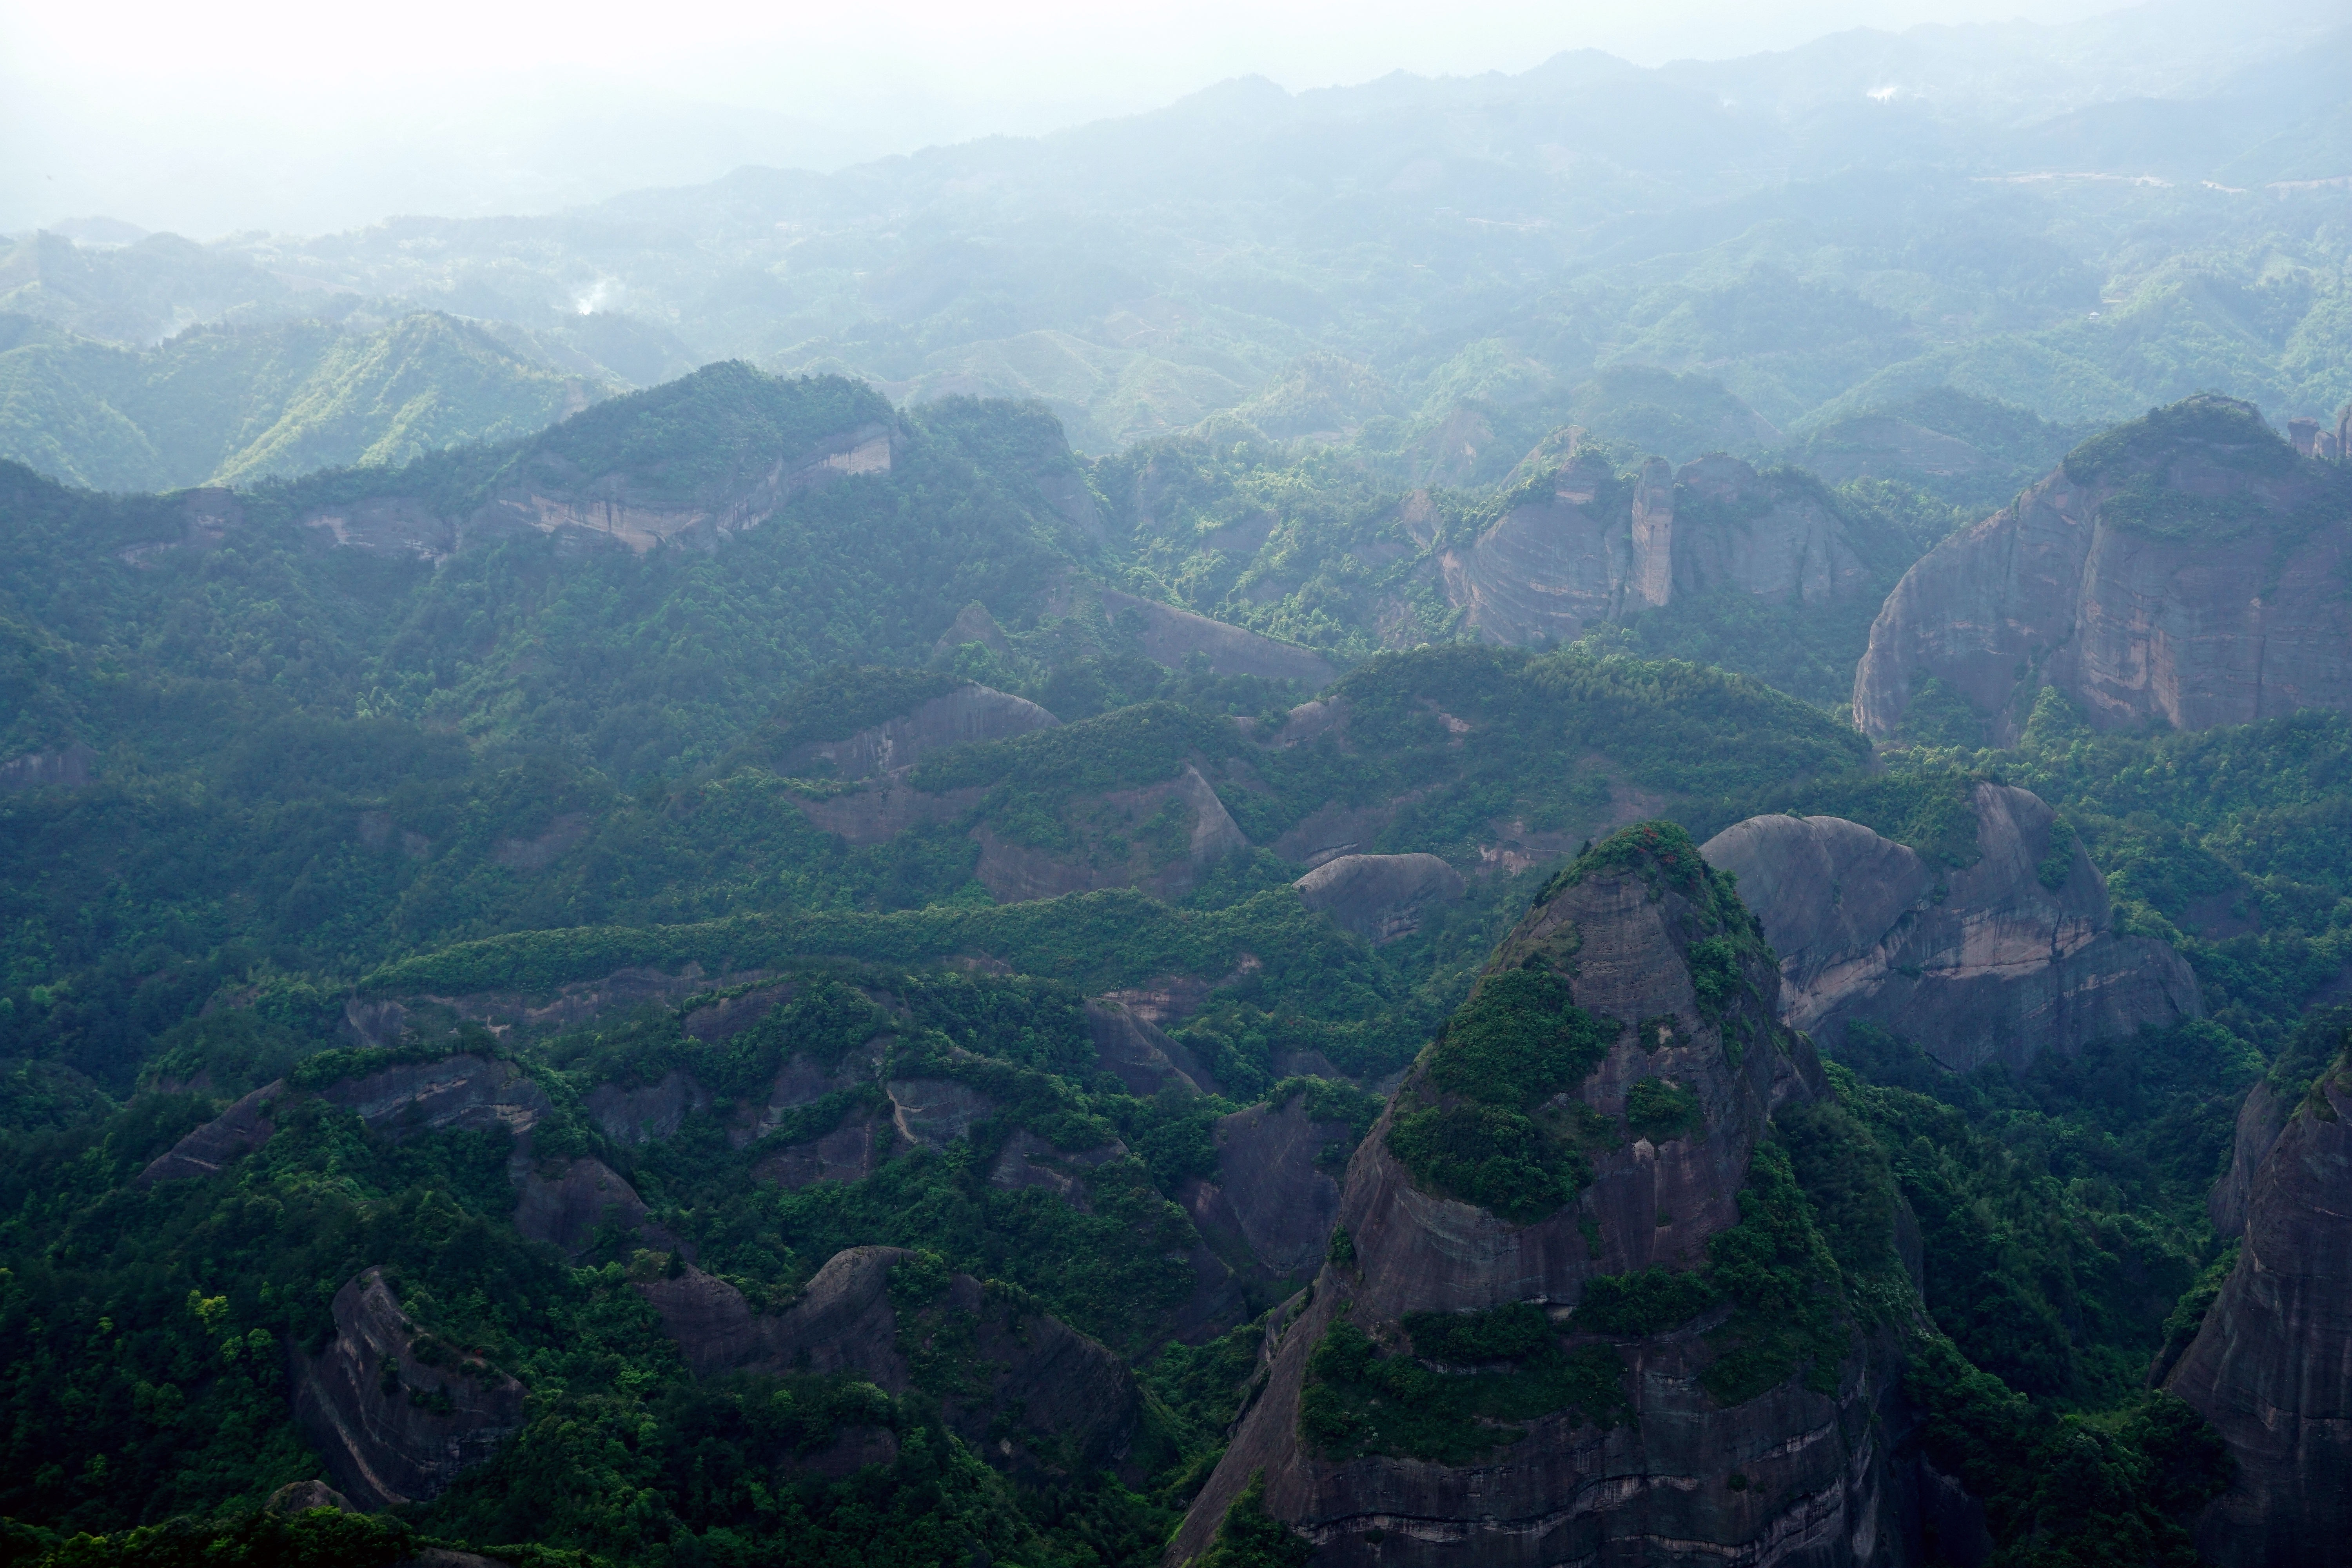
column 1981, row 964
column 2271, row 1366
column 1817, row 1483
column 396, row 1422
column 2194, row 583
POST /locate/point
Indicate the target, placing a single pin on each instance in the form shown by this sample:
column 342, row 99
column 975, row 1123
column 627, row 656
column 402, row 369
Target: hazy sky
column 240, row 114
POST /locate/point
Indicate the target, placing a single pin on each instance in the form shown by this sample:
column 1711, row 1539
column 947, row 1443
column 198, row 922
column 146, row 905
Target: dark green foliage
column 1510, row 1332
column 1249, row 1537
column 1789, row 1312
column 1648, row 1302
column 2069, row 1489
column 1659, row 1109
column 321, row 1538
column 1519, row 1040
column 1846, row 1178
column 2219, row 429
column 1362, row 1399
column 1498, row 1158
column 1938, row 715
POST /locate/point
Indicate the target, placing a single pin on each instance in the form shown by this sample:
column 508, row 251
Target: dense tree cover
column 224, row 405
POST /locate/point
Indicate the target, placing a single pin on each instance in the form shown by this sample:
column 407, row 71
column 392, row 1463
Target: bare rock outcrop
column 1170, row 637
column 2271, row 1366
column 649, row 1113
column 968, row 714
column 1141, row 1055
column 241, row 1128
column 1014, row 872
column 2184, row 569
column 396, row 1413
column 1381, row 897
column 1027, row 1161
column 1036, row 1397
column 1593, row 550
column 567, row 1208
column 1272, row 1205
column 68, row 767
column 1815, row 1484
column 1986, row 962
column 2261, row 1120
column 465, row 1092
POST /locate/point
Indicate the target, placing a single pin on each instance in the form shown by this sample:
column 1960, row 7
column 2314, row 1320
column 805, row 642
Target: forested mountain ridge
column 1821, row 231
column 750, row 873
column 230, row 404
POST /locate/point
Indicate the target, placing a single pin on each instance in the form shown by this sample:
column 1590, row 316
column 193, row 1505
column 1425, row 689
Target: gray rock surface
column 2261, row 1120
column 1978, row 964
column 2271, row 1366
column 648, row 1114
column 1171, row 635
column 355, row 1405
column 1056, row 1402
column 1381, row 897
column 1272, row 1204
column 1589, row 553
column 2225, row 624
column 1821, row 1484
column 566, row 1208
column 968, row 714
column 1144, row 1057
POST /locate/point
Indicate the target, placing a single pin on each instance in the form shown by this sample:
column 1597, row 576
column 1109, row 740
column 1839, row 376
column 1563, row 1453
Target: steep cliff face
column 1994, row 962
column 2184, row 569
column 1595, row 550
column 1270, row 1208
column 1541, row 1154
column 394, row 1413
column 966, row 714
column 1032, row 1394
column 2271, row 1366
column 468, row 1092
column 1382, row 897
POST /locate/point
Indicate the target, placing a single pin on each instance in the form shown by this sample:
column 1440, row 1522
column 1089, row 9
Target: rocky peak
column 1996, row 961
column 2183, row 569
column 1592, row 547
column 2271, row 1365
column 396, row 1413
column 1594, row 1108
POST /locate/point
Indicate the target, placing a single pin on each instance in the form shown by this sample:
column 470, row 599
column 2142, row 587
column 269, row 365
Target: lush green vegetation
column 1363, row 1398
column 230, row 404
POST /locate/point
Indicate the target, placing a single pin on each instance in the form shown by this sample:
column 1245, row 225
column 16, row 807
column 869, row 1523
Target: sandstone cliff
column 1992, row 961
column 1590, row 549
column 464, row 1091
column 2184, row 569
column 395, row 1414
column 968, row 713
column 1630, row 1457
column 2271, row 1366
column 1379, row 895
column 1032, row 1394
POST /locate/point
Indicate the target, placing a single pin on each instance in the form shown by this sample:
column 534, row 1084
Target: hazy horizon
column 254, row 117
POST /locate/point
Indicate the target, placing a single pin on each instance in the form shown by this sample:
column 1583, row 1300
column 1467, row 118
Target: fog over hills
column 1592, row 815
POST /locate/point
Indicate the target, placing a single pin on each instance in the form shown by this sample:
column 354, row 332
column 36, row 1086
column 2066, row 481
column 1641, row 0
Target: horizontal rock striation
column 2184, row 570
column 1988, row 962
column 395, row 1416
column 2271, row 1365
column 1653, row 1483
column 465, row 1092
